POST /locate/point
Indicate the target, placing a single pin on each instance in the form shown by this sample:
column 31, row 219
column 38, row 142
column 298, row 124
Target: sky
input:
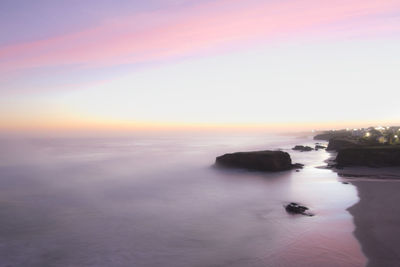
column 158, row 64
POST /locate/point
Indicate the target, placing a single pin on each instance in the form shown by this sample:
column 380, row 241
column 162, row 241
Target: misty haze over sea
column 113, row 113
column 159, row 201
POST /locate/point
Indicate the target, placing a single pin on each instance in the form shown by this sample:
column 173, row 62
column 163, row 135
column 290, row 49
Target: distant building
column 381, row 139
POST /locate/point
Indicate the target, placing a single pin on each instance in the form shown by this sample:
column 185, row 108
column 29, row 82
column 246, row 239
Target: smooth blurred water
column 159, row 201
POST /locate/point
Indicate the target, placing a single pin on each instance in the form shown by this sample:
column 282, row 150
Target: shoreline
column 376, row 217
column 369, row 160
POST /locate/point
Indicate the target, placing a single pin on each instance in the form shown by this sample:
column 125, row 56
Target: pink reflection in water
column 159, row 202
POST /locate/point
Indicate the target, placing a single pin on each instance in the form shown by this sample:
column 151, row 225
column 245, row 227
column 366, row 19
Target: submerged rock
column 302, row 148
column 297, row 209
column 266, row 160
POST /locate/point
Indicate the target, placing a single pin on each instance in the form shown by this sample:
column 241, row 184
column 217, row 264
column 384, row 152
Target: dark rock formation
column 338, row 144
column 378, row 156
column 297, row 209
column 319, row 147
column 302, row 148
column 258, row 160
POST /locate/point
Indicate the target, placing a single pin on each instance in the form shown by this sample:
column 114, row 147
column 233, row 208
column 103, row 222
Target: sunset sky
column 183, row 63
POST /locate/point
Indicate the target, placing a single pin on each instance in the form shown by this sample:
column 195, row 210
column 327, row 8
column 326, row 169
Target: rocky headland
column 370, row 147
column 384, row 156
column 341, row 143
column 327, row 135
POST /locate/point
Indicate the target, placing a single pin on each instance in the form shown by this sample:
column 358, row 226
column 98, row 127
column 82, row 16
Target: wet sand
column 377, row 218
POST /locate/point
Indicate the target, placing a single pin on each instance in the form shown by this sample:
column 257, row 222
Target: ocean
column 159, row 201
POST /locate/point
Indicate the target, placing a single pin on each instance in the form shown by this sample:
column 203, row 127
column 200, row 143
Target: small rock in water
column 345, row 182
column 319, row 147
column 302, row 148
column 297, row 209
column 298, row 166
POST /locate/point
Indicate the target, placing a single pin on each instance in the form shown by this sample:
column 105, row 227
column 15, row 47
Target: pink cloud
column 172, row 33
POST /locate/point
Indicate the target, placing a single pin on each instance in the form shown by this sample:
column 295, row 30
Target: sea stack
column 266, row 160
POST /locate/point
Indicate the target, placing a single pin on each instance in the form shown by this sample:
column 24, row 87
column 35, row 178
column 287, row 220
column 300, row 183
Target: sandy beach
column 377, row 220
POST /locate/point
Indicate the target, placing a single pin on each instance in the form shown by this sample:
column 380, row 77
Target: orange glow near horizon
column 74, row 125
